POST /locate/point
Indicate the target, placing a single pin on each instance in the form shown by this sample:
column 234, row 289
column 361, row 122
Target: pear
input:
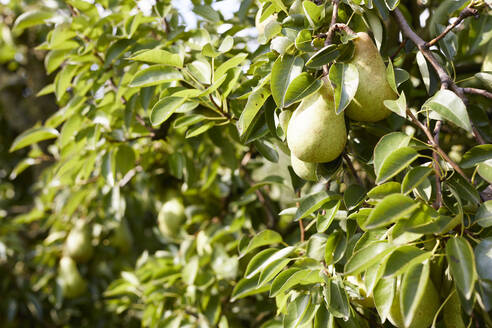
column 426, row 309
column 122, row 237
column 170, row 217
column 79, row 242
column 72, row 283
column 316, row 134
column 304, row 170
column 367, row 104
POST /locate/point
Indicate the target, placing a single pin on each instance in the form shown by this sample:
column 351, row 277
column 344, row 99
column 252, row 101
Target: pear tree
column 256, row 163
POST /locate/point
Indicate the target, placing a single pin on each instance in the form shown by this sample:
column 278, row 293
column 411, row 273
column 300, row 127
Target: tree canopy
column 280, row 164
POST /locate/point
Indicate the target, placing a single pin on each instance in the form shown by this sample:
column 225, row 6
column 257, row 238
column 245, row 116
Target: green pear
column 304, row 170
column 122, row 237
column 367, row 104
column 316, row 134
column 171, row 217
column 426, row 309
column 72, row 283
column 79, row 242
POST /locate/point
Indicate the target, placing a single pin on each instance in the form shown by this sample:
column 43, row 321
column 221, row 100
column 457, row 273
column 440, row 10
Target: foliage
column 169, row 167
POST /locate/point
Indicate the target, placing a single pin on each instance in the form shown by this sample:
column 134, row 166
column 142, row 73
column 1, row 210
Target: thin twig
column 400, row 47
column 435, row 145
column 334, row 16
column 435, row 164
column 301, row 225
column 446, row 81
column 480, row 92
column 466, row 12
column 352, row 169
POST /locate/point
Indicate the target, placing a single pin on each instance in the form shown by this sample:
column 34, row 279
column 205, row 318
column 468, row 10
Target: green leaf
column 303, row 41
column 31, row 18
column 226, row 44
column 367, row 256
column 291, row 277
column 251, row 110
column 201, row 70
column 385, row 189
column 301, row 87
column 124, row 159
column 316, row 246
column 486, row 79
column 158, row 56
column 323, row 56
column 313, row 202
column 272, row 270
column 390, row 76
column 449, row 106
column 387, row 145
column 476, row 155
column 324, row 221
column 324, row 319
column 391, row 209
column 484, row 215
column 265, row 258
column 199, row 129
column 484, row 169
column 337, row 300
column 164, row 108
column 396, row 162
column 298, row 311
column 424, row 70
column 336, row 244
column 384, row 293
column 353, row 195
column 230, row 63
column 414, row 178
column 461, row 262
column 345, row 79
column 398, row 106
column 285, row 69
column 313, row 12
column 154, row 75
column 207, row 12
column 403, row 258
column 247, row 287
column 413, row 286
column 483, row 256
column 266, row 151
column 266, row 237
column 33, row 136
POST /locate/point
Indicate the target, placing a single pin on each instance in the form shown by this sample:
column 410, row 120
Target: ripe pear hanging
column 373, row 88
column 72, row 283
column 79, row 242
column 316, row 134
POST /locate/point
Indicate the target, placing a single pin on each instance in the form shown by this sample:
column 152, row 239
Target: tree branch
column 435, row 145
column 435, row 164
column 466, row 12
column 480, row 92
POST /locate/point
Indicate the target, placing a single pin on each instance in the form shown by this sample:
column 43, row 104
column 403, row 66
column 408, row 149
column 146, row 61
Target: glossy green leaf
column 199, row 129
column 301, row 86
column 385, row 189
column 414, row 178
column 31, row 18
column 312, row 203
column 398, row 106
column 484, row 215
column 324, row 221
column 284, row 71
column 367, row 256
column 164, row 108
column 345, row 80
column 391, row 209
column 384, row 293
column 158, row 56
column 323, row 56
column 476, row 155
column 298, row 310
column 313, row 12
column 484, row 169
column 337, row 300
column 229, row 64
column 413, row 286
column 336, row 244
column 247, row 287
column 251, row 110
column 265, row 258
column 154, row 75
column 291, row 277
column 449, row 106
column 272, row 270
column 403, row 258
column 483, row 256
column 486, row 79
column 263, row 238
column 461, row 262
column 387, row 145
column 396, row 162
column 33, row 136
column 303, row 41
